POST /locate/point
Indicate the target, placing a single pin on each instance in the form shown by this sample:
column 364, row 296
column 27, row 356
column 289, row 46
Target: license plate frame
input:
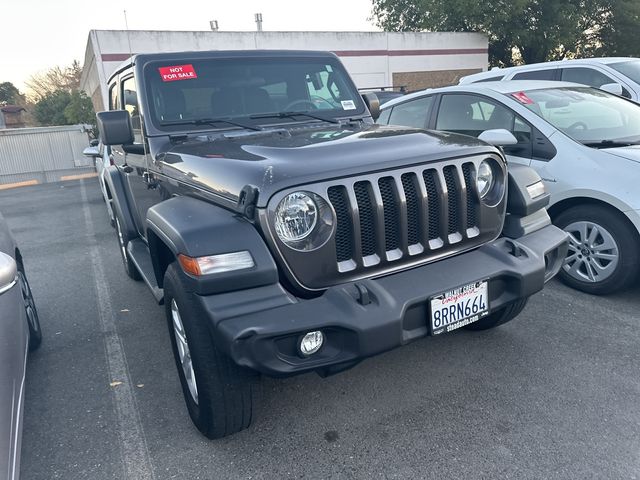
column 470, row 301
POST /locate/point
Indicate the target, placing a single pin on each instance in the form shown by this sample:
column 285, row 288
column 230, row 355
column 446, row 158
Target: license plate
column 459, row 307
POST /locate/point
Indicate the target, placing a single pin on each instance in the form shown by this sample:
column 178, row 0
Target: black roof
column 197, row 55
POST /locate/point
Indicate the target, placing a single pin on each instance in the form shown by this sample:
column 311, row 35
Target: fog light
column 311, row 343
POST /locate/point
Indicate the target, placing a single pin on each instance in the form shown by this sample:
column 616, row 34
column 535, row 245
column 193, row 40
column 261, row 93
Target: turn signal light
column 225, row 262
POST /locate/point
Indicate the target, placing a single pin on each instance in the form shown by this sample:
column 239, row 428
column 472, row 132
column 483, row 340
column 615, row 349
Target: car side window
column 472, row 115
column 130, row 104
column 411, row 114
column 113, row 97
column 383, row 119
column 586, row 76
column 547, row 74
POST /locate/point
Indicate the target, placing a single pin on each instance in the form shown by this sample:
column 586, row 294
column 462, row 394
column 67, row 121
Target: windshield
column 585, row 114
column 197, row 92
column 630, row 69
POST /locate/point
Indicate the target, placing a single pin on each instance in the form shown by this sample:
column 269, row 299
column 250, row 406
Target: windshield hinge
column 178, row 138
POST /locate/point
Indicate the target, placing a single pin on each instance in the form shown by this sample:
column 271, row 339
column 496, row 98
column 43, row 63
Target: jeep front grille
column 394, row 219
column 404, row 214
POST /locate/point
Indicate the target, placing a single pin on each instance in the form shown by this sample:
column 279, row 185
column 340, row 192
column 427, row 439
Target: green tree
column 620, row 35
column 79, row 109
column 519, row 31
column 50, row 109
column 9, row 94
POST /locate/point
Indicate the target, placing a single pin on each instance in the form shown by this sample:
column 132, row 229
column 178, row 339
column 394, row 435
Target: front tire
column 603, row 255
column 33, row 321
column 218, row 393
column 500, row 317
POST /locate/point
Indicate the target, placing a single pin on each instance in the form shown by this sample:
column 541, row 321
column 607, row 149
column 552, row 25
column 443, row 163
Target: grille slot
column 452, row 198
column 344, row 229
column 467, row 171
column 391, row 213
column 434, row 203
column 365, row 209
column 413, row 212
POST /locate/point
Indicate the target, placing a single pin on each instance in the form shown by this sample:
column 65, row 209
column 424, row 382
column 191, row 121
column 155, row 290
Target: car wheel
column 33, row 321
column 499, row 317
column 218, row 393
column 123, row 240
column 603, row 255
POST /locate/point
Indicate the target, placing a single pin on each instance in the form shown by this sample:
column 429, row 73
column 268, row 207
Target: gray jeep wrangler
column 285, row 232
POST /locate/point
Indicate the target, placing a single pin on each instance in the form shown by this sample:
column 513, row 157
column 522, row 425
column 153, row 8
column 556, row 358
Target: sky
column 40, row 34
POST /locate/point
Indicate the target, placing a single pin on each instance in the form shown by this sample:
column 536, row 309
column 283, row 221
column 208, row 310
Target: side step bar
column 139, row 254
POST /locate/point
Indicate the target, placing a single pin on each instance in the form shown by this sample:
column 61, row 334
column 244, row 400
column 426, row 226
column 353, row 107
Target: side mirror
column 8, row 272
column 92, row 152
column 614, row 88
column 94, row 143
column 498, row 137
column 115, row 127
column 373, row 104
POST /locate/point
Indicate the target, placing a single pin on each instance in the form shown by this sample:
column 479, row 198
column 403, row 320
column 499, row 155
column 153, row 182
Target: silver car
column 584, row 143
column 19, row 333
column 619, row 75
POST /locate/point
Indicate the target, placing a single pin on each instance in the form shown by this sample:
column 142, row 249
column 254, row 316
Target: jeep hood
column 273, row 160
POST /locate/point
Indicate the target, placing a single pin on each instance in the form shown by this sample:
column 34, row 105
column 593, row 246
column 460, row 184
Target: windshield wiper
column 292, row 115
column 212, row 122
column 609, row 143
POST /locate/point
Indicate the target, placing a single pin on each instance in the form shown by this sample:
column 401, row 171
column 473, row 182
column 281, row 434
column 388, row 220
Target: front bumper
column 260, row 328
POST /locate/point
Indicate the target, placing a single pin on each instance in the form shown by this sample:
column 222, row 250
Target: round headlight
column 295, row 217
column 484, row 178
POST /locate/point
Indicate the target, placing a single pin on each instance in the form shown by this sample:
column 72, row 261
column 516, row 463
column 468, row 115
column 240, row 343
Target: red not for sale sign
column 177, row 72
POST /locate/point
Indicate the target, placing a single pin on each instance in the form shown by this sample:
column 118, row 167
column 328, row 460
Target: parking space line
column 78, row 176
column 135, row 453
column 26, row 183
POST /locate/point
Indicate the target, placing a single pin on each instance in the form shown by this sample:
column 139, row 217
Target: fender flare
column 192, row 227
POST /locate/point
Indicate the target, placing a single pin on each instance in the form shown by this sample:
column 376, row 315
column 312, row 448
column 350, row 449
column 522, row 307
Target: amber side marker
column 26, row 183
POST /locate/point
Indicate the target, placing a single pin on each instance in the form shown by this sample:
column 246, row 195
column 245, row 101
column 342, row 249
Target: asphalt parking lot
column 551, row 395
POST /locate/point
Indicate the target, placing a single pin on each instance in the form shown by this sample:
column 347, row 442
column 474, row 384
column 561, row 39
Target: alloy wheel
column 593, row 252
column 183, row 351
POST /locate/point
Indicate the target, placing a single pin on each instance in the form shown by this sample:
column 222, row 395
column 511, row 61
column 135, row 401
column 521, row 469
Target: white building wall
column 371, row 58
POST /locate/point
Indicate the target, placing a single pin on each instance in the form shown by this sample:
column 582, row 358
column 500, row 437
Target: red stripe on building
column 120, row 57
column 406, row 53
column 115, row 57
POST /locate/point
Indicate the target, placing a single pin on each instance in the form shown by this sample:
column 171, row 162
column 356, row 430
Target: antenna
column 258, row 17
column 126, row 24
column 214, row 25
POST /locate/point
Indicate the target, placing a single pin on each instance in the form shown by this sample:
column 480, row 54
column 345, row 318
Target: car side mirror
column 373, row 104
column 498, row 137
column 115, row 127
column 614, row 88
column 92, row 152
column 8, row 272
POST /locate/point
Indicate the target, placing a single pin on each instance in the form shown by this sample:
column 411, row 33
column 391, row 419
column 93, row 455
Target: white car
column 608, row 72
column 584, row 143
column 102, row 157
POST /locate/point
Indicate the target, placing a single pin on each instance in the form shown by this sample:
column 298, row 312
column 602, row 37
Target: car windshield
column 203, row 92
column 587, row 115
column 629, row 68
